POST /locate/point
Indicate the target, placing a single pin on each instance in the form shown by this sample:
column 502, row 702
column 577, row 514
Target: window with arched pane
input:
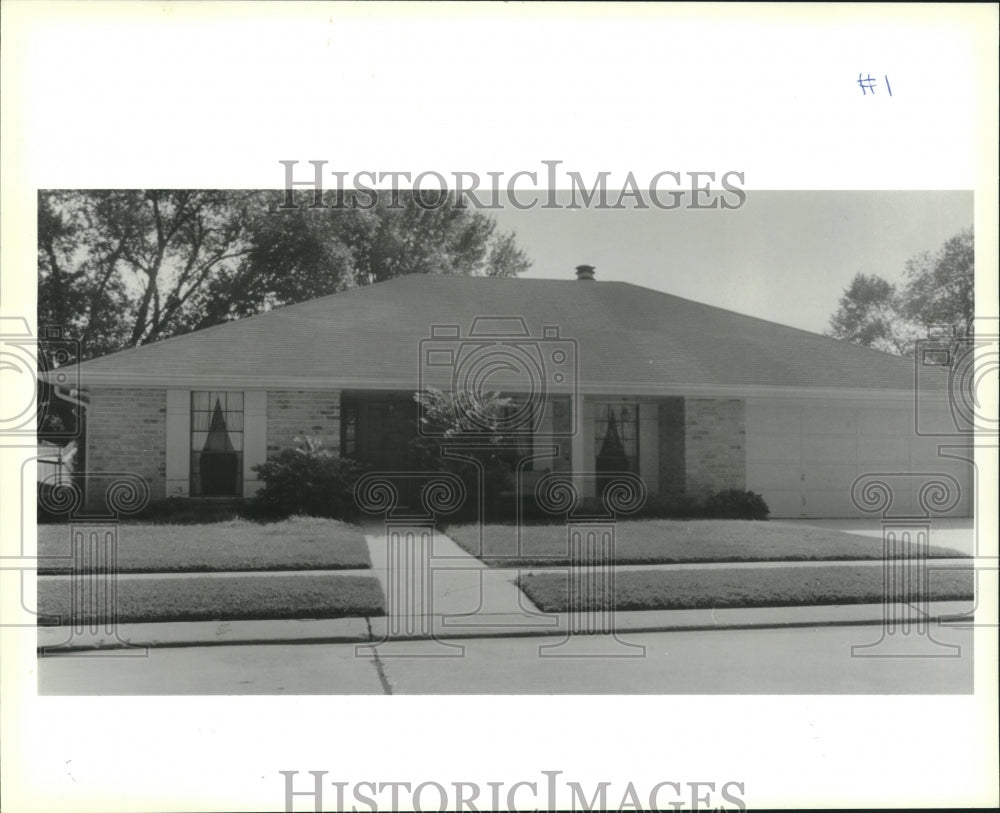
column 616, row 437
column 216, row 444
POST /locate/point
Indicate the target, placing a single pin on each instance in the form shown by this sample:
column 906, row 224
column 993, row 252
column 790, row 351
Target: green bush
column 306, row 480
column 186, row 511
column 735, row 503
column 472, row 425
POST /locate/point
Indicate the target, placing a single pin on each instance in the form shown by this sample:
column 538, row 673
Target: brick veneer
column 127, row 432
column 300, row 413
column 714, row 445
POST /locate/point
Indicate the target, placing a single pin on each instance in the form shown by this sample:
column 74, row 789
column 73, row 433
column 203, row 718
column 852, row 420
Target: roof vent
column 585, row 272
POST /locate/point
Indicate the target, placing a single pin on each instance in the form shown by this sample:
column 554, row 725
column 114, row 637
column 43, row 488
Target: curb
column 370, row 631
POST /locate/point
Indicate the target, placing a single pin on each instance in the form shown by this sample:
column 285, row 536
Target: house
column 692, row 398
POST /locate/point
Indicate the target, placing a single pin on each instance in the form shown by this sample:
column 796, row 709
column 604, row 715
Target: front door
column 386, row 427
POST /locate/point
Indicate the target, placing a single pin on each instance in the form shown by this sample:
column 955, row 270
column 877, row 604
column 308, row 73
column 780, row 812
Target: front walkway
column 434, row 587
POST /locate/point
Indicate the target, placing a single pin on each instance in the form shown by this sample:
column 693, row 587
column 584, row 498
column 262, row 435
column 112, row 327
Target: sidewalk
column 372, row 630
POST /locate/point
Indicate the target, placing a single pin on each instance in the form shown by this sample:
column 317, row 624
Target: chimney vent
column 585, row 272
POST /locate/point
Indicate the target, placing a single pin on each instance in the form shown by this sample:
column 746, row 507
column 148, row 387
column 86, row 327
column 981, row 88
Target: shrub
column 306, row 480
column 735, row 503
column 472, row 425
column 185, row 511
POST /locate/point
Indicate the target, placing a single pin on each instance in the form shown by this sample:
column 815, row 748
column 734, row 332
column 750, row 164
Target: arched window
column 216, row 444
column 616, row 437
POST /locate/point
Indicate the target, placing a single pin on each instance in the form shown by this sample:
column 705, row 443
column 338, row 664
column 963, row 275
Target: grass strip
column 299, row 543
column 674, row 542
column 203, row 598
column 734, row 587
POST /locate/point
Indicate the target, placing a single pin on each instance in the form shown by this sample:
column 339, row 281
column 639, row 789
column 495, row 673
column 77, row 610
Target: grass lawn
column 664, row 541
column 204, row 598
column 738, row 587
column 298, row 543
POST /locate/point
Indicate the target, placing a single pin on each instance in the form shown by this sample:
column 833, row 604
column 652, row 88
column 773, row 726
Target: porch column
column 577, row 462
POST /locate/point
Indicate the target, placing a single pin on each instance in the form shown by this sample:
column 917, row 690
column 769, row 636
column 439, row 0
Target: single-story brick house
column 690, row 397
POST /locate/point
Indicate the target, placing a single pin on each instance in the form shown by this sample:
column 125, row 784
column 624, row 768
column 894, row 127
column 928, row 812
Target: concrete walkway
column 432, row 585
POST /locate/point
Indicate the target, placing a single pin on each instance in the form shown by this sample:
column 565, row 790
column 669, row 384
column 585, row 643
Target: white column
column 178, row 464
column 588, row 460
column 254, row 438
column 578, row 444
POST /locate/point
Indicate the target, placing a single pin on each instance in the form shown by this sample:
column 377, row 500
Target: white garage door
column 804, row 458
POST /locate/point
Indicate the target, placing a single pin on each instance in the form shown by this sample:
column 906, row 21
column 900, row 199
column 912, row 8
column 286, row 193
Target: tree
column 121, row 268
column 299, row 254
column 868, row 315
column 938, row 289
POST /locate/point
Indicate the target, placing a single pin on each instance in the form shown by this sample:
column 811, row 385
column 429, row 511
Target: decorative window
column 616, row 437
column 216, row 444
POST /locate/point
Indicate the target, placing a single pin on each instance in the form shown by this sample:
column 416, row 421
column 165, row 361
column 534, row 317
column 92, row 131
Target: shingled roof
column 627, row 339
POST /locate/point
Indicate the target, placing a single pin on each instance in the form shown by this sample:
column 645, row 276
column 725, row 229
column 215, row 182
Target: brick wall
column 127, row 432
column 714, row 444
column 300, row 413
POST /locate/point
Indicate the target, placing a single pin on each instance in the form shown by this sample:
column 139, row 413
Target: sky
column 783, row 256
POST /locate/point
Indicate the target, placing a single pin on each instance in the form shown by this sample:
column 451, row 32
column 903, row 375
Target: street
column 806, row 660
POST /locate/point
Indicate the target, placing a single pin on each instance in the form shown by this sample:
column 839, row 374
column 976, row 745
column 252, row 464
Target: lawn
column 299, row 543
column 207, row 598
column 738, row 587
column 663, row 541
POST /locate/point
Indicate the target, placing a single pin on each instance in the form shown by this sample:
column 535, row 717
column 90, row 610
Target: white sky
column 783, row 256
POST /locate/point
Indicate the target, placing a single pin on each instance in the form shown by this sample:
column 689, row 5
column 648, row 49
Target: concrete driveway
column 958, row 532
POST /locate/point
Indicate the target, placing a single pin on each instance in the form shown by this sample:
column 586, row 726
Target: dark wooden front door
column 386, row 428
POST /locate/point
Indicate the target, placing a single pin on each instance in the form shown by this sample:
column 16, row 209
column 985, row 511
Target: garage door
column 804, row 458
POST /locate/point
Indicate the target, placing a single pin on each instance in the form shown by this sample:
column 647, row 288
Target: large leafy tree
column 121, row 268
column 868, row 315
column 299, row 254
column 937, row 289
column 940, row 287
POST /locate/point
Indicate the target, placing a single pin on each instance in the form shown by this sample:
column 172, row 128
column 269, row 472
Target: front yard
column 660, row 541
column 709, row 588
column 298, row 543
column 206, row 598
column 221, row 552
